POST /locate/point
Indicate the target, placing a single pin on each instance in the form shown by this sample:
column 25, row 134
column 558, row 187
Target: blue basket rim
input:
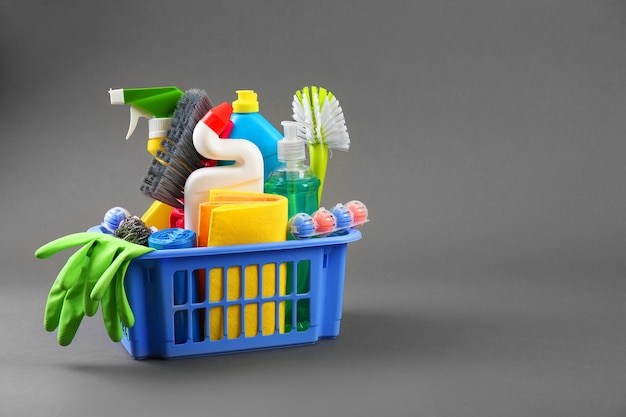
column 350, row 236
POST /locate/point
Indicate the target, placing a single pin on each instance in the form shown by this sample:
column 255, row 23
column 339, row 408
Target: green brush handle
column 318, row 160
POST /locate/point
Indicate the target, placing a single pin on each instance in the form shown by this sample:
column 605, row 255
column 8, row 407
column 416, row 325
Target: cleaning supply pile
column 221, row 176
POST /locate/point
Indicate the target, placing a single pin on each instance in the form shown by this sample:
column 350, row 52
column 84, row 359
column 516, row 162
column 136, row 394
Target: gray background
column 487, row 143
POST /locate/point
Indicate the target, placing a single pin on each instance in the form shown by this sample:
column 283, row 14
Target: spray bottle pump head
column 291, row 147
column 150, row 102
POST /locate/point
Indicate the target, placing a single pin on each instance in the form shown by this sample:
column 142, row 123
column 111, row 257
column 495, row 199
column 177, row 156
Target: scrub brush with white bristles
column 326, row 128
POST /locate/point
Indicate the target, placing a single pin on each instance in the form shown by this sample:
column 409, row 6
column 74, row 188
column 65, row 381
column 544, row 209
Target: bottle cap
column 291, row 147
column 158, row 127
column 246, row 102
column 218, row 117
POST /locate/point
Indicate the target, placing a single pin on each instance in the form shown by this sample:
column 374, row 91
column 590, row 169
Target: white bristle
column 326, row 119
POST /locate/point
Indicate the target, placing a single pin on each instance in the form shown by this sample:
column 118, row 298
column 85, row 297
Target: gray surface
column 487, row 143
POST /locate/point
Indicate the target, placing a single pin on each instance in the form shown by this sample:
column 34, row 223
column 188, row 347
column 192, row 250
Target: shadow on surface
column 366, row 337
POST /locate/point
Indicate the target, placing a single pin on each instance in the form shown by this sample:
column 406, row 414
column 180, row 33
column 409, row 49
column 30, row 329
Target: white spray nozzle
column 135, row 114
column 117, row 97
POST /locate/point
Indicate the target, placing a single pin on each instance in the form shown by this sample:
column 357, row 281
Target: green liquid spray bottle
column 292, row 178
column 296, row 181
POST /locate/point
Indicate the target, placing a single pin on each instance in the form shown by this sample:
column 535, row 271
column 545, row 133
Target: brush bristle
column 165, row 179
column 320, row 109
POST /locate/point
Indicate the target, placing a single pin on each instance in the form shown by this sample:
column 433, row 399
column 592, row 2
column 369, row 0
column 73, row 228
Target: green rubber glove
column 97, row 264
column 93, row 274
column 64, row 306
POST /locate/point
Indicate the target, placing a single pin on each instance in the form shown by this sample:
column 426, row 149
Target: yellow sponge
column 157, row 215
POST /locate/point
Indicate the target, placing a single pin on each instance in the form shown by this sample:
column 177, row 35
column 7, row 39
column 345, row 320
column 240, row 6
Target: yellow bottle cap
column 246, row 102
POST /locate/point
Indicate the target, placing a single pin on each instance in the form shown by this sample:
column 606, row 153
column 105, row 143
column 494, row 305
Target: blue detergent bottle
column 249, row 124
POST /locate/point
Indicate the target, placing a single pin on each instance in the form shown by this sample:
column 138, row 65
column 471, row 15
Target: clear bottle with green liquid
column 295, row 180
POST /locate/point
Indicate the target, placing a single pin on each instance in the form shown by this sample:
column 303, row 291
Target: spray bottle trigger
column 135, row 114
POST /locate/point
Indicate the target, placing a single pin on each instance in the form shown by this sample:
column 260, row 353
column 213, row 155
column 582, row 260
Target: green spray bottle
column 293, row 179
column 157, row 104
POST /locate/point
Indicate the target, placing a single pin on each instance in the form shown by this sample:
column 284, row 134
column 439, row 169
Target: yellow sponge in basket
column 157, row 215
column 233, row 218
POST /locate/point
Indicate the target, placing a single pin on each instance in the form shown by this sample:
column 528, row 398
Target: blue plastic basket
column 172, row 301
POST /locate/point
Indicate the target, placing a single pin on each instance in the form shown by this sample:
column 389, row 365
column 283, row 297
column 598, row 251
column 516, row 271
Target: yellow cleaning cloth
column 238, row 217
column 232, row 218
